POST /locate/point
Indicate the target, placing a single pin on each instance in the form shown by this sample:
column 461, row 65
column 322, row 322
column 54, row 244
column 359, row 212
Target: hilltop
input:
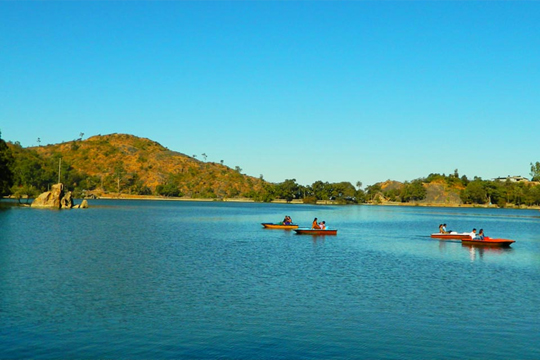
column 129, row 164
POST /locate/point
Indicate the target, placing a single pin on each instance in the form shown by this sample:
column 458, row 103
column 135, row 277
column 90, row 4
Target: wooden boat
column 451, row 236
column 306, row 231
column 488, row 242
column 279, row 226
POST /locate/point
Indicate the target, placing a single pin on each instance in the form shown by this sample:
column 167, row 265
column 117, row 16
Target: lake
column 203, row 280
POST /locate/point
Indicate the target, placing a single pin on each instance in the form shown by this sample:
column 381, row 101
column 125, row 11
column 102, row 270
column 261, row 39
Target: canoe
column 279, row 226
column 315, row 231
column 488, row 242
column 451, row 236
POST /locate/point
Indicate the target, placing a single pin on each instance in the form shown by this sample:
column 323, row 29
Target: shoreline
column 319, row 202
column 297, row 201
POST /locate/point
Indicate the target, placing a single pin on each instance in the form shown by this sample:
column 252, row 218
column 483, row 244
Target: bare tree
column 119, row 173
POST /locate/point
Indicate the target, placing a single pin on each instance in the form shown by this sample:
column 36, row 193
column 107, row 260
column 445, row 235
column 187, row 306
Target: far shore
column 299, row 201
column 319, row 202
column 151, row 197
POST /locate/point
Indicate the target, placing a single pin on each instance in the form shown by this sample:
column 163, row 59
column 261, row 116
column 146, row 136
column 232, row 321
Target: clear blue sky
column 310, row 90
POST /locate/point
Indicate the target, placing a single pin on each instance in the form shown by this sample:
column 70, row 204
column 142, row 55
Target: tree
column 287, row 190
column 373, row 190
column 519, row 193
column 6, row 174
column 475, row 193
column 119, row 172
column 343, row 192
column 27, row 191
column 413, row 191
column 535, row 195
column 321, row 190
column 494, row 192
column 29, row 169
column 535, row 171
column 204, row 156
column 168, row 189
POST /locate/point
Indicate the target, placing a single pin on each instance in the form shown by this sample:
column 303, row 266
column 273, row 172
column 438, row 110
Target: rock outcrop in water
column 56, row 198
column 82, row 205
column 66, row 201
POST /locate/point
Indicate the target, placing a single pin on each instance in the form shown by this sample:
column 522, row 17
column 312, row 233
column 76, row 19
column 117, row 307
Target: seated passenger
column 322, row 225
column 480, row 235
column 315, row 225
column 473, row 233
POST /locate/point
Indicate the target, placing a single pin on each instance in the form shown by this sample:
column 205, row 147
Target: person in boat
column 287, row 220
column 480, row 235
column 473, row 233
column 322, row 225
column 315, row 225
column 444, row 229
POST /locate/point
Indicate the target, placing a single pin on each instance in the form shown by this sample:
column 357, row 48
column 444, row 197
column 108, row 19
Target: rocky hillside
column 132, row 164
column 441, row 193
column 436, row 193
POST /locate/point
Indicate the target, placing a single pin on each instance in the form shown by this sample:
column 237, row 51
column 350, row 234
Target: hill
column 440, row 193
column 133, row 165
column 436, row 192
column 121, row 164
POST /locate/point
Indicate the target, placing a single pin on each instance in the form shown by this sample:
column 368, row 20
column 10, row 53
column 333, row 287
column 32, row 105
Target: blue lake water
column 159, row 279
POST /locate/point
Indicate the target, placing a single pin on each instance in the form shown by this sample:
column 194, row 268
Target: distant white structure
column 512, row 179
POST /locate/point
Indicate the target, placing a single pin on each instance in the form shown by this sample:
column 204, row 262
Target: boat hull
column 279, row 226
column 315, row 232
column 452, row 236
column 489, row 242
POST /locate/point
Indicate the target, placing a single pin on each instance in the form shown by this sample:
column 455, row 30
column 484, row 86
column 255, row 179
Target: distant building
column 512, row 179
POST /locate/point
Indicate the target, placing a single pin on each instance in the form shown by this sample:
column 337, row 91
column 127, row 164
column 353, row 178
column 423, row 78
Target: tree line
column 23, row 173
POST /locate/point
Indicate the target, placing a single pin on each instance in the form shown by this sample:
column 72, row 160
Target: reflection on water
column 478, row 251
column 137, row 280
column 316, row 239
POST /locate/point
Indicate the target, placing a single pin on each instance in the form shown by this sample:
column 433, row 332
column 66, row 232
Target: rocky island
column 57, row 198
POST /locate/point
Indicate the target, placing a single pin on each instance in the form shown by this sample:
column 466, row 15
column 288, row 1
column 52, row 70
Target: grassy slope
column 151, row 163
